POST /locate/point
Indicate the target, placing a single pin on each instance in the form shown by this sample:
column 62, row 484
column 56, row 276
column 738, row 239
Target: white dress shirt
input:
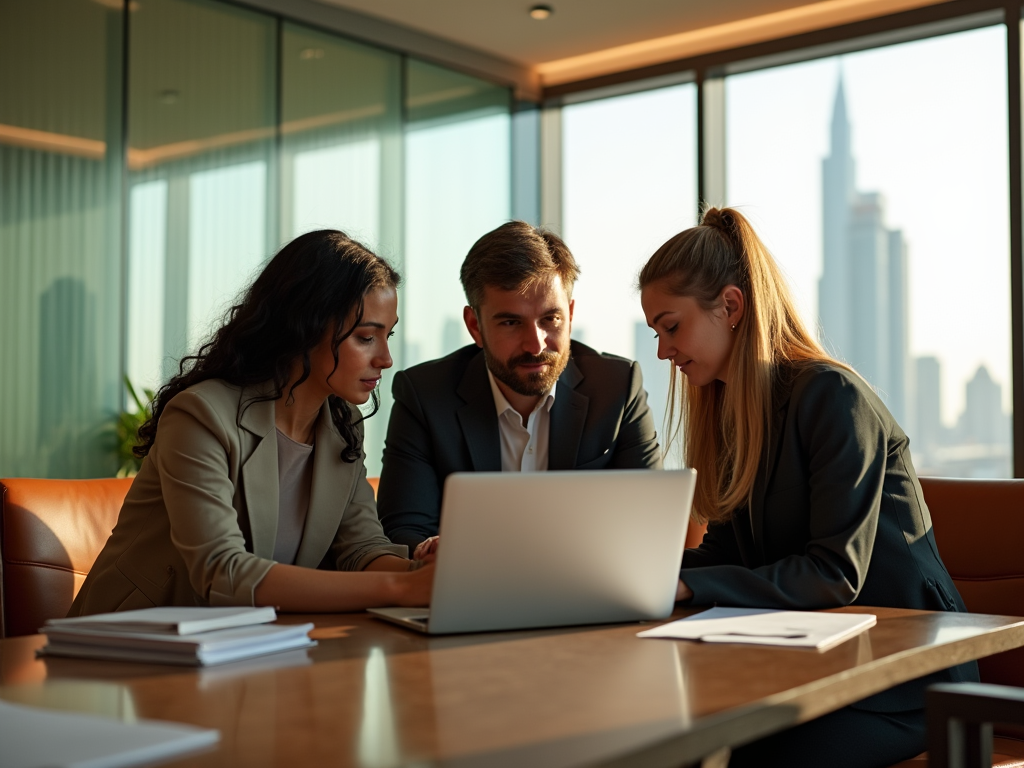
column 523, row 449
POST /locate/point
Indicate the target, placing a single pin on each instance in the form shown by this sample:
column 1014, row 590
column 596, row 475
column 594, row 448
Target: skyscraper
column 926, row 429
column 838, row 192
column 982, row 420
column 862, row 295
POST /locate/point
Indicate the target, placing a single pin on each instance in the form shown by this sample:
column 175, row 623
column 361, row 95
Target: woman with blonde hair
column 803, row 476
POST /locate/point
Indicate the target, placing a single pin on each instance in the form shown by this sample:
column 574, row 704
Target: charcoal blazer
column 444, row 420
column 836, row 518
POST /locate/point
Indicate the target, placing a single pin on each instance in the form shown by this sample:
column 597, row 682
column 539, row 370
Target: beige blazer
column 199, row 524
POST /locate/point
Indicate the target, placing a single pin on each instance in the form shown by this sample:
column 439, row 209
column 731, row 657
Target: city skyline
column 864, row 320
column 862, row 293
column 927, row 132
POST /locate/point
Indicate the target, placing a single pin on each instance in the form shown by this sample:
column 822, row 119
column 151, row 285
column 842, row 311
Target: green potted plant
column 128, row 423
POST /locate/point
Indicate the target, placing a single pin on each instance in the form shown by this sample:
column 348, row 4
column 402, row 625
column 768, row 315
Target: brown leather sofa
column 979, row 529
column 50, row 534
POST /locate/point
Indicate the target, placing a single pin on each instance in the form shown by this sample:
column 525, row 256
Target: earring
column 734, row 327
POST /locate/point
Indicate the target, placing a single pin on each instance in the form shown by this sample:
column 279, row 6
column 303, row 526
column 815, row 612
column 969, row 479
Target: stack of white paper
column 795, row 629
column 185, row 636
column 36, row 738
column 172, row 619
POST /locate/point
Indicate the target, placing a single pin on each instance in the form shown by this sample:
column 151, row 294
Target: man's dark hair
column 516, row 256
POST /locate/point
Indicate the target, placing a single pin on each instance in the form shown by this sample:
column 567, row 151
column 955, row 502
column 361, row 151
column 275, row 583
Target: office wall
column 153, row 160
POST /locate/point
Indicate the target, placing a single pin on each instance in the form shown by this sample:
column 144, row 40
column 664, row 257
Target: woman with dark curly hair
column 252, row 490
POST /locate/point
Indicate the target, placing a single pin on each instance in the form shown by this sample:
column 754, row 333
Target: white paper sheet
column 793, row 629
column 40, row 738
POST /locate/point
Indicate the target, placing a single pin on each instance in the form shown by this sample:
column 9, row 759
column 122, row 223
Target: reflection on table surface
column 376, row 695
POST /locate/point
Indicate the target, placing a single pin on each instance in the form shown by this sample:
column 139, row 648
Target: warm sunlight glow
column 769, row 26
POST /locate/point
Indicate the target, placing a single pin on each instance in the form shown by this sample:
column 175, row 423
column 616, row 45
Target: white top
column 523, row 449
column 295, row 481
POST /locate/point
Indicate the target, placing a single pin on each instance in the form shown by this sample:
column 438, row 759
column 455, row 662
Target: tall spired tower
column 862, row 294
column 838, row 195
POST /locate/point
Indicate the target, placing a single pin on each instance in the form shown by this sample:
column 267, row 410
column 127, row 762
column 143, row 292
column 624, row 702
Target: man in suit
column 524, row 398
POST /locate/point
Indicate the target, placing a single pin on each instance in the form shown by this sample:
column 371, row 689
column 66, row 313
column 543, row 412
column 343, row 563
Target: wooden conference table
column 376, row 696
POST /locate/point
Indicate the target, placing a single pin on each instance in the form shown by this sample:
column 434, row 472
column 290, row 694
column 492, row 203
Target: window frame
column 710, row 70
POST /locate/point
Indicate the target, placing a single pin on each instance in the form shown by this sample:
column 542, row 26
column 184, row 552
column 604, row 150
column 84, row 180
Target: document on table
column 793, row 629
column 199, row 649
column 175, row 620
column 40, row 738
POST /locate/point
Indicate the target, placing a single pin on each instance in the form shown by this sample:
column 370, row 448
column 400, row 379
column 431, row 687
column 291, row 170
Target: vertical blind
column 137, row 201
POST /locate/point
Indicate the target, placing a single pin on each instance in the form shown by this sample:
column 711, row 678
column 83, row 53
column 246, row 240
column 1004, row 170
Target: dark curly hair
column 314, row 283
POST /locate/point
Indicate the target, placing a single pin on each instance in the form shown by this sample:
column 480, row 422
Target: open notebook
column 758, row 626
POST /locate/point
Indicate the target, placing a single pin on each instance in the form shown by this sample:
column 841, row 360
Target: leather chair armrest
column 960, row 718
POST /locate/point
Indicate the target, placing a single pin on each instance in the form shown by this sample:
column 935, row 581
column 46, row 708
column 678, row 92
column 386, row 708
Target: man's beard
column 532, row 384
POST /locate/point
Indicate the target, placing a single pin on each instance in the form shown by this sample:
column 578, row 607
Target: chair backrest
column 374, row 482
column 51, row 532
column 979, row 529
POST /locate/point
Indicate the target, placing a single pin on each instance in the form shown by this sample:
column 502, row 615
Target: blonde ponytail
column 725, row 428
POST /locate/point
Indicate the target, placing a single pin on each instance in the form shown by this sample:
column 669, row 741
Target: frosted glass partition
column 201, row 124
column 60, row 232
column 457, row 187
column 341, row 138
column 629, row 183
column 243, row 130
column 879, row 180
column 341, row 158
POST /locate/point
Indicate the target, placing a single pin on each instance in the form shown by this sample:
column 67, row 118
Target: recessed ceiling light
column 541, row 11
column 311, row 53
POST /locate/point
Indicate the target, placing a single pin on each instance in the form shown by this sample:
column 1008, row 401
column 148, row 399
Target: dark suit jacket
column 837, row 518
column 444, row 421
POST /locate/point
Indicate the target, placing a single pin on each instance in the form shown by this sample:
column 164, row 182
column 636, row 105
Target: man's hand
column 427, row 550
column 683, row 592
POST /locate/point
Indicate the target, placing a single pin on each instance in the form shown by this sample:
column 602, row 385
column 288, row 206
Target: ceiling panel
column 504, row 27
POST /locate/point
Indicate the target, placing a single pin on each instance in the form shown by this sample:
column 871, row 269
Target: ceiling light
column 311, row 53
column 541, row 11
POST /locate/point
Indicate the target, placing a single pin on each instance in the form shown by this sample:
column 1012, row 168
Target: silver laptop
column 547, row 549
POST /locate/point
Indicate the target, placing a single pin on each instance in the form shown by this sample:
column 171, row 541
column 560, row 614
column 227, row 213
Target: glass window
column 60, row 236
column 202, row 128
column 879, row 180
column 341, row 157
column 629, row 184
column 244, row 131
column 457, row 187
column 341, row 131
